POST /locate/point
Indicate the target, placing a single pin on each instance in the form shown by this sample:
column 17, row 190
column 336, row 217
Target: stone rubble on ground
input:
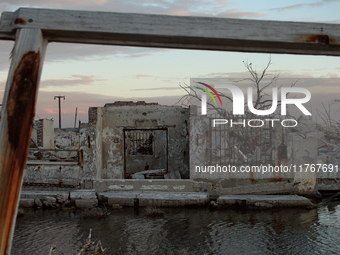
column 26, row 202
column 50, row 202
column 38, row 202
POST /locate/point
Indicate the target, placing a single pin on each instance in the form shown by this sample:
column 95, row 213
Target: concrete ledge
column 167, row 185
column 42, row 194
column 270, row 188
column 83, row 194
column 121, row 198
column 82, row 198
column 264, row 201
column 166, row 199
column 161, row 199
column 26, row 202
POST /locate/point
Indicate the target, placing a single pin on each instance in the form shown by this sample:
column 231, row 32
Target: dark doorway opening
column 145, row 149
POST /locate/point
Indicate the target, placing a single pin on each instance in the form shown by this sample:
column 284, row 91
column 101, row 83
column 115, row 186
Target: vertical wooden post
column 17, row 114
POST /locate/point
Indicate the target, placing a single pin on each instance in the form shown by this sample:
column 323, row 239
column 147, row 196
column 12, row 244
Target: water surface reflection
column 185, row 231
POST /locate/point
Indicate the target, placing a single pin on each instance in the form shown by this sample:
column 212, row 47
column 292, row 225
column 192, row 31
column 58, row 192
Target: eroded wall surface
column 300, row 147
column 54, row 159
column 43, row 133
column 119, row 118
column 157, row 137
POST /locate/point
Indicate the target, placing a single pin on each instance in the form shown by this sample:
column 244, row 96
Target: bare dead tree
column 261, row 81
column 326, row 113
column 258, row 80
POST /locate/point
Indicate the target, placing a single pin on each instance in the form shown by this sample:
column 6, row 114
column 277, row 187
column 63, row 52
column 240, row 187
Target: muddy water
column 185, row 231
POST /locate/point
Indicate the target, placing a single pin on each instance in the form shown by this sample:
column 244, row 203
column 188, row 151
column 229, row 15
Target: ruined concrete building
column 127, row 140
column 122, row 140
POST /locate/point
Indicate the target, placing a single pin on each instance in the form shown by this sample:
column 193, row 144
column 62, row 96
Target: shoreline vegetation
column 89, row 247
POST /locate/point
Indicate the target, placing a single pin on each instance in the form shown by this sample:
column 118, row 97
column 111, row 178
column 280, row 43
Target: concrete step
column 160, row 199
column 84, row 198
column 26, row 202
column 264, row 201
column 271, row 188
column 83, row 194
column 81, row 198
column 42, row 194
column 147, row 185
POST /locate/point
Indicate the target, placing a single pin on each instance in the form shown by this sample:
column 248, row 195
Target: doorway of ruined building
column 145, row 153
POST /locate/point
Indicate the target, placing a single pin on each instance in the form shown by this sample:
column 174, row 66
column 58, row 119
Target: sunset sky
column 92, row 75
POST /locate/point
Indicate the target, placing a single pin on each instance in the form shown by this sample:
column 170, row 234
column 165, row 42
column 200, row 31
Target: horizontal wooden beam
column 180, row 32
column 6, row 31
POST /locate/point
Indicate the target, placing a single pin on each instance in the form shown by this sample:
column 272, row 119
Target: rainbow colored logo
column 211, row 95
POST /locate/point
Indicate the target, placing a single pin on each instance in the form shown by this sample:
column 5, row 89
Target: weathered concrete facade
column 293, row 148
column 54, row 158
column 124, row 138
column 121, row 140
column 43, row 133
column 203, row 145
column 127, row 140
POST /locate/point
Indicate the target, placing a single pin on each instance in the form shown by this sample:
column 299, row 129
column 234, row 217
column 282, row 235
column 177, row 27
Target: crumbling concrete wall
column 297, row 149
column 91, row 145
column 34, row 137
column 199, row 146
column 43, row 133
column 323, row 146
column 307, row 143
column 66, row 138
column 53, row 174
column 113, row 120
column 58, row 164
column 329, row 157
column 302, row 149
column 97, row 148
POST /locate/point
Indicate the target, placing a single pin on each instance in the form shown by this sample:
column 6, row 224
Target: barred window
column 140, row 143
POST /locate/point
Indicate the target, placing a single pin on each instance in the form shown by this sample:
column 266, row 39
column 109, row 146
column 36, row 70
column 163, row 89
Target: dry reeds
column 153, row 212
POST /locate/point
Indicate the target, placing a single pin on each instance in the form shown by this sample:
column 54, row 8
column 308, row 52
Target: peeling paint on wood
column 16, row 125
column 22, row 98
column 320, row 39
column 166, row 31
column 20, row 21
column 20, row 113
column 111, row 28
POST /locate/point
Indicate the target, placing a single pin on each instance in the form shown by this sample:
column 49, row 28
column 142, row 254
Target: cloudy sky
column 92, row 75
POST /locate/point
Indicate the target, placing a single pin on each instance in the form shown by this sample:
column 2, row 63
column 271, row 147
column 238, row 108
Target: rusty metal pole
column 59, row 105
column 17, row 113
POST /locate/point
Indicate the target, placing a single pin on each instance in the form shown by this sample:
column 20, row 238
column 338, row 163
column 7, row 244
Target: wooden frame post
column 27, row 25
column 17, row 116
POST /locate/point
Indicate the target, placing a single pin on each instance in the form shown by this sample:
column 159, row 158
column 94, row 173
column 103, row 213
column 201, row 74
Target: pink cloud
column 75, row 80
column 236, row 13
column 139, row 76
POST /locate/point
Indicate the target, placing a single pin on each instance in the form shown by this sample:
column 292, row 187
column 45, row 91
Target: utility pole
column 59, row 108
column 75, row 119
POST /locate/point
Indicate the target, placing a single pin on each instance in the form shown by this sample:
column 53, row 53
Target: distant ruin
column 122, row 140
column 138, row 140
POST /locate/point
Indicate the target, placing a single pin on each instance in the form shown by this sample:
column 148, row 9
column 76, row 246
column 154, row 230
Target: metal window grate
column 241, row 145
column 140, row 143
